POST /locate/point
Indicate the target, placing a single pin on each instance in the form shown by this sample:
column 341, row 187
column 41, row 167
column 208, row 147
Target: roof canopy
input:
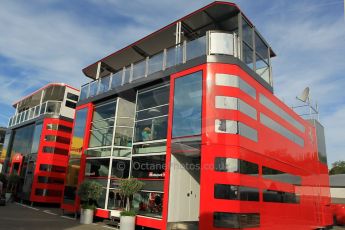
column 52, row 91
column 215, row 16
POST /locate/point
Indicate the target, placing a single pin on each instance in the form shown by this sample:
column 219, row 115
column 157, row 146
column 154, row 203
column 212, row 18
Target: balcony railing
column 48, row 107
column 214, row 42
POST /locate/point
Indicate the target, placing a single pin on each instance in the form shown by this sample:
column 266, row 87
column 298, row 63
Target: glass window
column 148, row 204
column 152, row 129
column 247, row 32
column 104, row 84
column 153, row 97
column 248, row 56
column 260, row 47
column 115, row 200
column 148, row 167
column 153, row 112
column 52, row 168
column 50, row 180
column 236, row 220
column 22, row 140
column 55, row 150
column 196, row 48
column 262, row 68
column 104, row 111
column 280, row 197
column 223, row 164
column 4, row 152
column 123, row 136
column 116, row 79
column 120, row 168
column 78, row 132
column 72, row 96
column 174, row 56
column 93, row 88
column 122, row 152
column 139, row 70
column 274, row 174
column 72, row 175
column 84, row 92
column 187, row 105
column 64, row 128
column 69, row 104
column 127, row 74
column 97, row 167
column 36, row 138
column 101, row 137
column 102, row 152
column 103, row 123
column 158, row 147
column 234, row 192
column 155, row 63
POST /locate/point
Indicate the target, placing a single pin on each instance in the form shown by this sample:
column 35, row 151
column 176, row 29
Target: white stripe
column 51, row 213
column 109, row 227
column 67, row 217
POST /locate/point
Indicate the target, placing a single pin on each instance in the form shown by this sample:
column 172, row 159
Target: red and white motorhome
column 190, row 111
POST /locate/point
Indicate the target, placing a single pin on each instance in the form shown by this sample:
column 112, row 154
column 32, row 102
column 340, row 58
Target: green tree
column 338, row 167
column 128, row 187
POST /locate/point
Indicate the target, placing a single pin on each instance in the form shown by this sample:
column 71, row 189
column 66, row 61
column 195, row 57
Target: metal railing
column 48, row 107
column 214, row 42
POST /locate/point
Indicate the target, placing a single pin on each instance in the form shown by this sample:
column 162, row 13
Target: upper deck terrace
column 54, row 99
column 218, row 29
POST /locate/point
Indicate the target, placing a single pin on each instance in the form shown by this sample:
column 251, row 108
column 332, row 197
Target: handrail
column 213, row 43
column 48, row 107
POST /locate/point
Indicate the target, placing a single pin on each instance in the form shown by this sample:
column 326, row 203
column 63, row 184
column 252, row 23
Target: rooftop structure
column 53, row 100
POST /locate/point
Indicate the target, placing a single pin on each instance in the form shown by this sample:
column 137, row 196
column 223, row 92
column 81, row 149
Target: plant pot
column 8, row 196
column 127, row 223
column 86, row 216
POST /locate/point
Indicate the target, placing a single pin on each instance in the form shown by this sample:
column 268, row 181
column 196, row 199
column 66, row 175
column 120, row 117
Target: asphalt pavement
column 16, row 216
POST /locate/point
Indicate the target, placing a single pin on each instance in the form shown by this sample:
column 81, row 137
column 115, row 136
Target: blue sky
column 45, row 41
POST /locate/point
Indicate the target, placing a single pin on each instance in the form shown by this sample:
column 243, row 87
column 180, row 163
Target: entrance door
column 184, row 189
column 185, row 144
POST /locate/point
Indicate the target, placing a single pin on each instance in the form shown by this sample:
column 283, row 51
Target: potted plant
column 11, row 188
column 89, row 192
column 128, row 187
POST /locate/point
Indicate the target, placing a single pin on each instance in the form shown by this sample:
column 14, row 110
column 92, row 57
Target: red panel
column 102, row 213
column 149, row 222
column 271, row 150
column 50, row 159
column 89, row 106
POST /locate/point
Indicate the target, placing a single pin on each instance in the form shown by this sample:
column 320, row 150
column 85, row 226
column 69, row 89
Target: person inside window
column 146, row 134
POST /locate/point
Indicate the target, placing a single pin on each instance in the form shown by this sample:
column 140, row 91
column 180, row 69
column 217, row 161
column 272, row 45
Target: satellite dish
column 305, row 95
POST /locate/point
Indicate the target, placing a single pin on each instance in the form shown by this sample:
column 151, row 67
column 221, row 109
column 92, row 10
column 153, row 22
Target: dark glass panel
column 187, row 105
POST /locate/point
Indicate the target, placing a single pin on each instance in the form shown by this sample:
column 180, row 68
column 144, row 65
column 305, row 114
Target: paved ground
column 17, row 216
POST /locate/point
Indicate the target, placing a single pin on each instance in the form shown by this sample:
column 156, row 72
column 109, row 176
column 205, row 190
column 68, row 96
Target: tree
column 89, row 192
column 338, row 167
column 128, row 187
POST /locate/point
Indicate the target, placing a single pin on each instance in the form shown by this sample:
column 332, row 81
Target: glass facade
column 22, row 140
column 75, row 155
column 187, row 105
column 110, row 146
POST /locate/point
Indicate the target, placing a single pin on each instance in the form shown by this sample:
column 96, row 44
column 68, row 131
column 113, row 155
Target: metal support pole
column 99, row 65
